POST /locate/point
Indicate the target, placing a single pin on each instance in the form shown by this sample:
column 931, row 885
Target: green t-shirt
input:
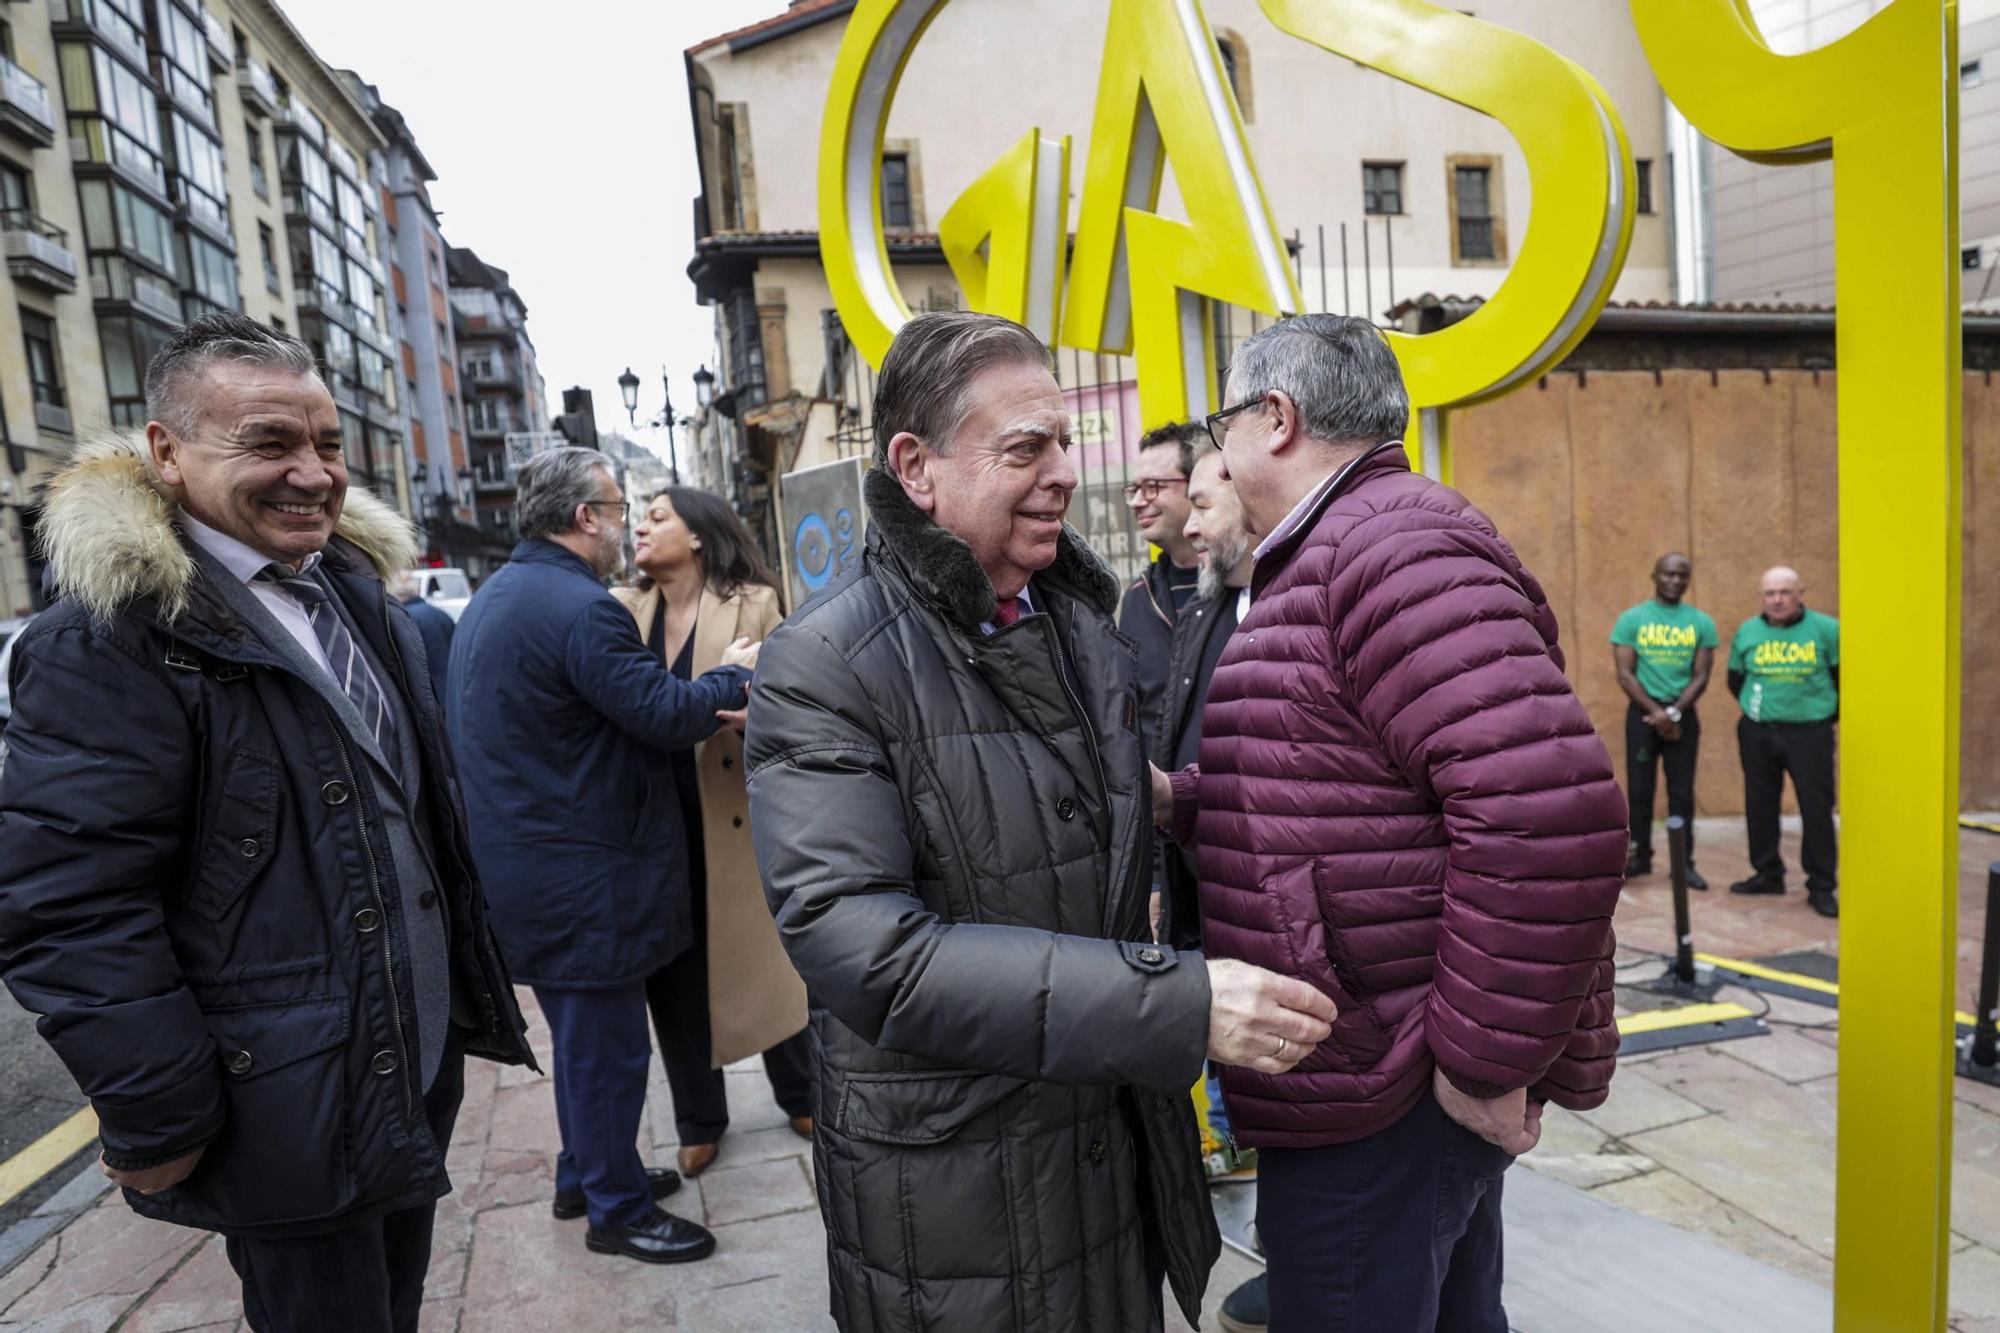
column 1788, row 669
column 1665, row 638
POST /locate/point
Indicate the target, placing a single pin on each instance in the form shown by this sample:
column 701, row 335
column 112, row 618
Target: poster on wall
column 822, row 519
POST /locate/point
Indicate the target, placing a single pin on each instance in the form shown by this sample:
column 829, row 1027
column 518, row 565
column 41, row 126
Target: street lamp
column 704, row 388
column 628, row 388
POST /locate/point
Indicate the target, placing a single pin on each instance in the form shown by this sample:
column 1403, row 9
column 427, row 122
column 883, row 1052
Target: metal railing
column 37, row 249
column 255, row 84
column 25, row 97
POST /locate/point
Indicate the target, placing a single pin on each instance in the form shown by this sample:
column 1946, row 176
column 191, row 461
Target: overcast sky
column 564, row 154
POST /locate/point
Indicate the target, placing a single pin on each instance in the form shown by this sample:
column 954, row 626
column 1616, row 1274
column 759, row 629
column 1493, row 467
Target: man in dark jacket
column 234, row 879
column 433, row 625
column 562, row 720
column 1157, row 495
column 1400, row 800
column 950, row 812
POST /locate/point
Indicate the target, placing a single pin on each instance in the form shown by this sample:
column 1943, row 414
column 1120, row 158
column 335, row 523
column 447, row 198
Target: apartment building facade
column 1383, row 191
column 502, row 388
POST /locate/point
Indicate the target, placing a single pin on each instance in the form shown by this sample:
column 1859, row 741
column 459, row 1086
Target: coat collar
column 108, row 525
column 941, row 568
column 1386, row 457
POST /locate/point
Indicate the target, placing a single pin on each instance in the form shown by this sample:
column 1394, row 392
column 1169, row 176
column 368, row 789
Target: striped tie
column 350, row 669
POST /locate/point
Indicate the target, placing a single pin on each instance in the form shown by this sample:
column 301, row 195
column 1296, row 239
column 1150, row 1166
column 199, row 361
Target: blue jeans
column 1395, row 1233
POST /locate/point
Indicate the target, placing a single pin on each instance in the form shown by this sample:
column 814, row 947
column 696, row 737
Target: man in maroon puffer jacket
column 1400, row 801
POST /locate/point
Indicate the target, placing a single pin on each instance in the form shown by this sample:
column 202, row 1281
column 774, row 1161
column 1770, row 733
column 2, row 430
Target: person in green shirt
column 1664, row 652
column 1784, row 669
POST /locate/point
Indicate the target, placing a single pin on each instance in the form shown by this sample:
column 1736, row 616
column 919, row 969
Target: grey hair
column 931, row 366
column 177, row 368
column 552, row 484
column 1338, row 369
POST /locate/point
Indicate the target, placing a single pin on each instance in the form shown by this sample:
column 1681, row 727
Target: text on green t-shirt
column 1788, row 669
column 1665, row 639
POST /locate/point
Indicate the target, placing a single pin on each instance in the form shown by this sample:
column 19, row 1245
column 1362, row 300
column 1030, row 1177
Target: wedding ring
column 1282, row 1045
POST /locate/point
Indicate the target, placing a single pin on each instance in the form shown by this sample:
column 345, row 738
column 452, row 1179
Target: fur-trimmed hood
column 944, row 571
column 108, row 528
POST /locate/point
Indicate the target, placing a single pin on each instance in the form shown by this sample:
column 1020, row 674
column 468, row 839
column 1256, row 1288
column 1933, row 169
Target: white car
column 449, row 590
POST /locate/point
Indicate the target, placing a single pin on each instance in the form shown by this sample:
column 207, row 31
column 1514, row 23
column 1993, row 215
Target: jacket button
column 428, row 898
column 367, row 920
column 736, row 822
column 384, row 1062
column 727, row 762
column 334, row 793
column 239, row 1063
column 249, row 847
column 1065, row 808
column 1097, row 1153
column 1151, row 957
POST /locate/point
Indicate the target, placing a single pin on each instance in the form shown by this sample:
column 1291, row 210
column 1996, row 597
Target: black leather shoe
column 1758, row 888
column 1248, row 1308
column 1824, row 901
column 659, row 1239
column 1635, row 868
column 1695, row 881
column 569, row 1204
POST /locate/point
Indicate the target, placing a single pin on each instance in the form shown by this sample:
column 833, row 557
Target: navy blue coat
column 436, row 628
column 562, row 720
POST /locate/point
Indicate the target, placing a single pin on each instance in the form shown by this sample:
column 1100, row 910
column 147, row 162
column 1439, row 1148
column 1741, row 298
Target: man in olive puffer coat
column 952, row 817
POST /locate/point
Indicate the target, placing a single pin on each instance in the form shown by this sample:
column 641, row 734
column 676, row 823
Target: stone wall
column 1592, row 475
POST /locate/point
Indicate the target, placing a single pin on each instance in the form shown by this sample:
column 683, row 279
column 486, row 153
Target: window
column 451, row 410
column 1382, row 187
column 16, row 189
column 211, row 276
column 114, row 116
column 729, row 195
column 1227, row 50
column 487, row 414
column 117, row 218
column 185, row 67
column 253, row 136
column 1644, row 166
column 1970, row 75
column 896, row 190
column 129, row 347
column 267, row 251
column 204, row 186
column 1968, row 258
column 1472, row 201
column 746, row 347
column 44, row 371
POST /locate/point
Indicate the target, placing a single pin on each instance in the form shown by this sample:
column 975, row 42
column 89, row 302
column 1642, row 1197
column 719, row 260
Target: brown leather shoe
column 697, row 1158
column 802, row 1125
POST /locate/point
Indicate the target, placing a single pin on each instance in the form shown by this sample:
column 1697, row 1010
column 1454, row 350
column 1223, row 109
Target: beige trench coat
column 755, row 999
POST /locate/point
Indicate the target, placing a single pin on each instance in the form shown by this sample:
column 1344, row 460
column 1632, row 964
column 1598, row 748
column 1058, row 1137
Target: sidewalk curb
column 75, row 1198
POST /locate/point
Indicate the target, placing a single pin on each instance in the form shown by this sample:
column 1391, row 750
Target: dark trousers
column 1395, row 1233
column 1646, row 752
column 600, row 1060
column 1805, row 750
column 367, row 1278
column 678, row 997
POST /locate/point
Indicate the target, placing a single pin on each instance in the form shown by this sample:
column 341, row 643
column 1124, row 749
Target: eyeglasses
column 1215, row 419
column 1150, row 489
column 624, row 507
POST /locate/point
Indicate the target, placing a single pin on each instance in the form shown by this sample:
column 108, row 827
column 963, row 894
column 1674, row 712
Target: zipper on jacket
column 1083, row 716
column 381, row 906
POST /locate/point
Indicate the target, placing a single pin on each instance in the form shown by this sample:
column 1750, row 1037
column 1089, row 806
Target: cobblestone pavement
column 1732, row 1141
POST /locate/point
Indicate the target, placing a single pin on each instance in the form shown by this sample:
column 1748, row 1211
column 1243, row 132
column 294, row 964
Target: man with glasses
column 562, row 720
column 1157, row 495
column 1399, row 800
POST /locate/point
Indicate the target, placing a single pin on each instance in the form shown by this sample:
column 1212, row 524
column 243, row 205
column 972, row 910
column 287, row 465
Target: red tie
column 1006, row 613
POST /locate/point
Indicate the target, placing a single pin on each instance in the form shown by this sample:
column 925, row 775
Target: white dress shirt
column 244, row 562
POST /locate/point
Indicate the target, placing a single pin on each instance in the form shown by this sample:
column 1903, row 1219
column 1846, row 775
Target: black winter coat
column 953, row 831
column 563, row 719
column 195, row 889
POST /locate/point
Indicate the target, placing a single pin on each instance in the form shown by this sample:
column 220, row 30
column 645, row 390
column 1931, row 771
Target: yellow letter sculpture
column 1884, row 102
column 1142, row 282
column 1019, row 211
column 1579, row 175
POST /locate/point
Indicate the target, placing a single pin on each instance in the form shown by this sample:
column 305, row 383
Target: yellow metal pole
column 1884, row 102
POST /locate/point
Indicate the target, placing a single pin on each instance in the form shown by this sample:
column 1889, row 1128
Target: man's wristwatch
column 1673, row 713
